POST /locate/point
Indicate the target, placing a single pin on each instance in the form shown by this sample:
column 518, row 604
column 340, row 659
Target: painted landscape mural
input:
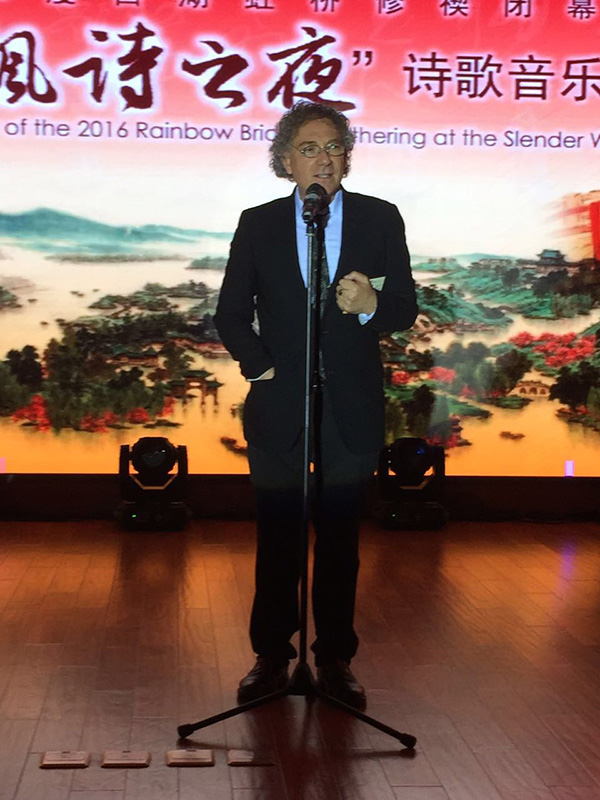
column 118, row 350
column 114, row 234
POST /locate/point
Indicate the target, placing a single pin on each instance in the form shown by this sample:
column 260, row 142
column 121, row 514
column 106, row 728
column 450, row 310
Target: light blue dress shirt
column 333, row 235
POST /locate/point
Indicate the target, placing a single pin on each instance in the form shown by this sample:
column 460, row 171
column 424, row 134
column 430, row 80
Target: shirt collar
column 335, row 206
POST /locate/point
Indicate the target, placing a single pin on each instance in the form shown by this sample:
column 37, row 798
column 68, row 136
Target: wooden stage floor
column 483, row 640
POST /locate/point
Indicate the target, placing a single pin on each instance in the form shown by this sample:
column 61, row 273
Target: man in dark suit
column 371, row 291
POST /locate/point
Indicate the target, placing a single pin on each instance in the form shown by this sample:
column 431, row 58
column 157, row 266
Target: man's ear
column 287, row 164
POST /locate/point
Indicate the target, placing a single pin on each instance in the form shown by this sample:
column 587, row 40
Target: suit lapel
column 289, row 232
column 344, row 266
column 349, row 221
column 280, row 228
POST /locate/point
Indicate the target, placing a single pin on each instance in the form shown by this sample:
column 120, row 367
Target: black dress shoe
column 337, row 680
column 268, row 675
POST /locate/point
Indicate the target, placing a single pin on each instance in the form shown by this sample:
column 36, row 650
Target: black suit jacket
column 263, row 277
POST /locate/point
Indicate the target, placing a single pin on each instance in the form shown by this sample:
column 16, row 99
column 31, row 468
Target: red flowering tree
column 565, row 349
column 399, row 377
column 137, row 416
column 168, row 407
column 523, row 339
column 98, row 424
column 35, row 413
column 442, row 374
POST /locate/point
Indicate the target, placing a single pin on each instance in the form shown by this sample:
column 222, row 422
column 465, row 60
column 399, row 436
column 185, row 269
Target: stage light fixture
column 409, row 483
column 153, row 495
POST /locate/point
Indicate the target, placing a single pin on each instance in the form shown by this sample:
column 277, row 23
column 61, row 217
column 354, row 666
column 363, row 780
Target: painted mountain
column 57, row 233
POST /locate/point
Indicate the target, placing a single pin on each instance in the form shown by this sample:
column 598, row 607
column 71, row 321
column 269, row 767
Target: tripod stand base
column 302, row 681
column 301, row 684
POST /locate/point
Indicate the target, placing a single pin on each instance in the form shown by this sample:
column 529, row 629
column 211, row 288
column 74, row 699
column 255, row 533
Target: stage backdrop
column 132, row 134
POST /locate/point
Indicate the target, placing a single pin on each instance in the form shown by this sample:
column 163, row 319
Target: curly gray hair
column 291, row 122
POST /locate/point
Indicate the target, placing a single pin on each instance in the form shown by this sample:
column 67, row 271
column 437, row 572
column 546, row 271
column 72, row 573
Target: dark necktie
column 324, row 281
column 324, row 288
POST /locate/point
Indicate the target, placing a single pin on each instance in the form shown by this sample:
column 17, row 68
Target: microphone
column 316, row 201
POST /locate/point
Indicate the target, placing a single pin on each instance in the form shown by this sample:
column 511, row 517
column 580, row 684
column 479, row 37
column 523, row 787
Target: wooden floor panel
column 483, row 640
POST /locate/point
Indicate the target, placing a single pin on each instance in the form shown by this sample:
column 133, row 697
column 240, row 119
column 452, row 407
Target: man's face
column 324, row 169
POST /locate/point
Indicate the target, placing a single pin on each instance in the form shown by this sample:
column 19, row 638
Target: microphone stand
column 302, row 681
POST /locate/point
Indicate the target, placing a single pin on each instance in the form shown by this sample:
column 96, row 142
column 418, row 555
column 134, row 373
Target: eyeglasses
column 334, row 149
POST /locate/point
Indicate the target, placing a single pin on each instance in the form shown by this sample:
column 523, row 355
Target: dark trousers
column 336, row 505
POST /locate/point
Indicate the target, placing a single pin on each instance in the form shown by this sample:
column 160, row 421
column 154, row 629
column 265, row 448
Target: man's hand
column 355, row 295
